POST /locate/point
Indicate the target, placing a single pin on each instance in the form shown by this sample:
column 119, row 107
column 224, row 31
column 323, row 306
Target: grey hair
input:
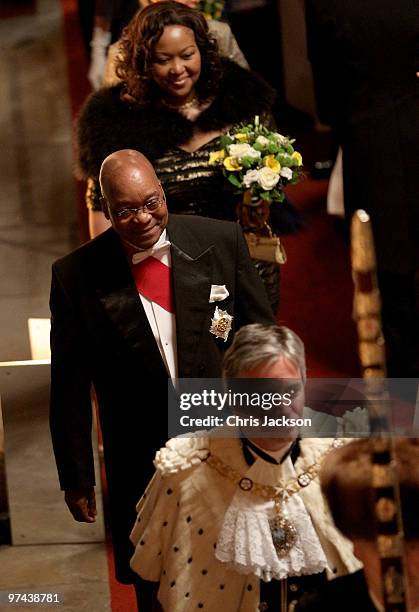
column 256, row 344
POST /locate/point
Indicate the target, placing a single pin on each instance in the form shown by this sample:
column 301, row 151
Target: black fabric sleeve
column 70, row 403
column 320, row 34
column 252, row 304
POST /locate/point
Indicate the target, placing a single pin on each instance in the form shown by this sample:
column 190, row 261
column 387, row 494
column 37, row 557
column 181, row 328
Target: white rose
column 282, row 140
column 286, row 173
column 262, row 140
column 267, row 178
column 250, row 177
column 242, row 150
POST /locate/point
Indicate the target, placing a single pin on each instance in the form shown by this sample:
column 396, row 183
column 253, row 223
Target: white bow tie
column 158, row 249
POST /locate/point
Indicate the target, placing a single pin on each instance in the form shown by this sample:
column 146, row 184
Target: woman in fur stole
column 175, row 99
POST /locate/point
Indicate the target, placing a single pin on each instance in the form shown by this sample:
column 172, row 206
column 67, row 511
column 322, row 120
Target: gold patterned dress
column 194, row 187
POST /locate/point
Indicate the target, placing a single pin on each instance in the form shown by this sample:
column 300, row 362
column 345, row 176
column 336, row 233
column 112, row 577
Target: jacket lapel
column 118, row 296
column 192, row 273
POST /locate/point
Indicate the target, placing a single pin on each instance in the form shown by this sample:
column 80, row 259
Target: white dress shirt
column 162, row 322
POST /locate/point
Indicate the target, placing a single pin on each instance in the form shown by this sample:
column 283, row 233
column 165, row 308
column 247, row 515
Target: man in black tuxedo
column 109, row 328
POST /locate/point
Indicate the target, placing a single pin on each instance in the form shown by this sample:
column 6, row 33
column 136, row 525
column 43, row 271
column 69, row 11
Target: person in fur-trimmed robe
column 176, row 98
column 204, row 533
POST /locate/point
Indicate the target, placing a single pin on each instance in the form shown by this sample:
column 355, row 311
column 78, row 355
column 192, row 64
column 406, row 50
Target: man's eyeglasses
column 128, row 213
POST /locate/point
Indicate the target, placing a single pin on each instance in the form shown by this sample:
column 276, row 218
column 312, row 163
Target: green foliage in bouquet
column 259, row 161
column 212, row 9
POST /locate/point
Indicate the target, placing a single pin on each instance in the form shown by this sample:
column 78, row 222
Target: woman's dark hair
column 138, row 41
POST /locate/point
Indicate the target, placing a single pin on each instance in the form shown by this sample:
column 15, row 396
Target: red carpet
column 122, row 595
column 77, row 64
column 79, row 87
column 316, row 288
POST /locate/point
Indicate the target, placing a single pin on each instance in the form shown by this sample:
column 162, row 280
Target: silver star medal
column 221, row 323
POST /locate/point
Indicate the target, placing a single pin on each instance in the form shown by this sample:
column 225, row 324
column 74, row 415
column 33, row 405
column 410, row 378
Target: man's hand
column 82, row 504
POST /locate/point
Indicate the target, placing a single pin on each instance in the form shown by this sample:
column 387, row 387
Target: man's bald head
column 133, row 198
column 120, row 164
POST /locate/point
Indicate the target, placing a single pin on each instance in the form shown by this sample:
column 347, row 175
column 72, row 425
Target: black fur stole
column 107, row 124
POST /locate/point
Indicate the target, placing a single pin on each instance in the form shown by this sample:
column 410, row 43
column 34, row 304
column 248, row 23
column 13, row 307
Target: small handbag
column 266, row 248
column 263, row 244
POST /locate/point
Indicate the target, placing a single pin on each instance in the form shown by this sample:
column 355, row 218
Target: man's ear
column 104, row 205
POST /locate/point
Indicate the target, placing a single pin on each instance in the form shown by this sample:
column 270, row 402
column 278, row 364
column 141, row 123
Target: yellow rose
column 272, row 163
column 298, row 157
column 242, row 137
column 216, row 156
column 232, row 164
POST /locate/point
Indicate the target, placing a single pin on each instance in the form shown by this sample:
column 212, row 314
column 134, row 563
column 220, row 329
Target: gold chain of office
column 284, row 534
column 275, row 493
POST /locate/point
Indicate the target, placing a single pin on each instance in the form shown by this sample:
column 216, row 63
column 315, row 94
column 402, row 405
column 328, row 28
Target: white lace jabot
column 245, row 540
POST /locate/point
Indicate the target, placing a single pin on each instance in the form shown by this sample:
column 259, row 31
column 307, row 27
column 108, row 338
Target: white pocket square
column 218, row 293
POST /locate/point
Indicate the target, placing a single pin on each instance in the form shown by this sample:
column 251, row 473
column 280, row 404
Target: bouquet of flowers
column 258, row 162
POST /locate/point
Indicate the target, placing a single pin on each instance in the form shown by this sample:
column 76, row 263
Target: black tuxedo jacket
column 100, row 334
